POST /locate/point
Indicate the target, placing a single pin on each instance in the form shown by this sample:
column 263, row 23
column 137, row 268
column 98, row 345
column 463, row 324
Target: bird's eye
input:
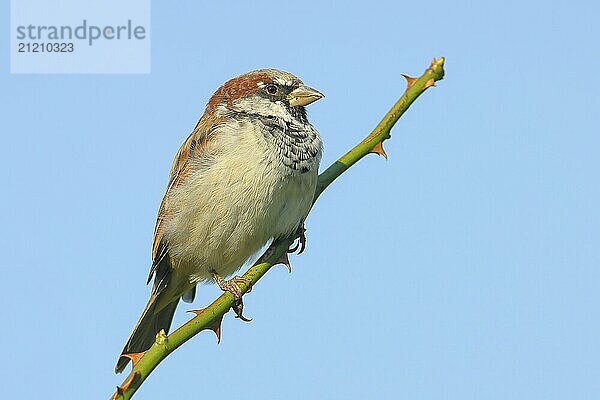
column 271, row 89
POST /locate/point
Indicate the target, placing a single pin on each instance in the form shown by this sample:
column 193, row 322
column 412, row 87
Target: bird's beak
column 303, row 96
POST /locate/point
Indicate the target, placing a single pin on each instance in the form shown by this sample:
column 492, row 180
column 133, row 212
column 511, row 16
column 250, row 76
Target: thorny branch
column 210, row 317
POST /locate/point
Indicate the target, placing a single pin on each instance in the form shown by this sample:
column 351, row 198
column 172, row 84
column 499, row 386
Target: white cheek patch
column 279, row 110
column 264, row 107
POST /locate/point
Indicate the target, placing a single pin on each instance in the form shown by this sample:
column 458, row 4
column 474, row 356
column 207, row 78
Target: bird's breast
column 224, row 213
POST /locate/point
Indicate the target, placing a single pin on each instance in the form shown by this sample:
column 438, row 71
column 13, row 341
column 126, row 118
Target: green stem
column 211, row 316
column 434, row 73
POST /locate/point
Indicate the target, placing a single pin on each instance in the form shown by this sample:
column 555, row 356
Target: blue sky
column 464, row 267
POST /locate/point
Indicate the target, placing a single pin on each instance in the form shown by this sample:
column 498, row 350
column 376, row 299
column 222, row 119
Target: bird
column 245, row 176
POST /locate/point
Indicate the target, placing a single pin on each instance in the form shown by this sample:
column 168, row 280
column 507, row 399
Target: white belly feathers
column 224, row 213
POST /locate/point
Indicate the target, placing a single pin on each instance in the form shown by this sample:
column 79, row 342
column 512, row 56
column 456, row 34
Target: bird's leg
column 232, row 286
column 301, row 236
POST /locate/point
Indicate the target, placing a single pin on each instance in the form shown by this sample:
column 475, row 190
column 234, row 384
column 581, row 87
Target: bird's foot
column 301, row 243
column 284, row 259
column 232, row 286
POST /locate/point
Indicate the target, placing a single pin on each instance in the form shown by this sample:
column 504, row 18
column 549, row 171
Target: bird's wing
column 186, row 162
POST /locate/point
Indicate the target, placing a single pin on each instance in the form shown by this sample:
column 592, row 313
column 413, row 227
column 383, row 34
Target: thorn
column 216, row 328
column 378, row 149
column 285, row 260
column 410, row 81
column 161, row 338
column 118, row 394
column 429, row 83
column 134, row 357
column 130, row 381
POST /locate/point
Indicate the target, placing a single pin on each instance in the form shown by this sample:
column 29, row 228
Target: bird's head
column 266, row 93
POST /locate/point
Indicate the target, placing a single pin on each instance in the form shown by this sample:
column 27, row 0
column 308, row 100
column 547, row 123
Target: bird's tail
column 151, row 322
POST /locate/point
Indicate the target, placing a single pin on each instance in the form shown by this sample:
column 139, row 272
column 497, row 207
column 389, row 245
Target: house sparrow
column 246, row 174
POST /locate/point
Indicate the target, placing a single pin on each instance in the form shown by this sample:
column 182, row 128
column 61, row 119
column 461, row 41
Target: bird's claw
column 232, row 286
column 301, row 243
column 238, row 309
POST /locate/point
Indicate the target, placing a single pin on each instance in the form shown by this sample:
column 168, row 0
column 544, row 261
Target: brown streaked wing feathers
column 193, row 147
